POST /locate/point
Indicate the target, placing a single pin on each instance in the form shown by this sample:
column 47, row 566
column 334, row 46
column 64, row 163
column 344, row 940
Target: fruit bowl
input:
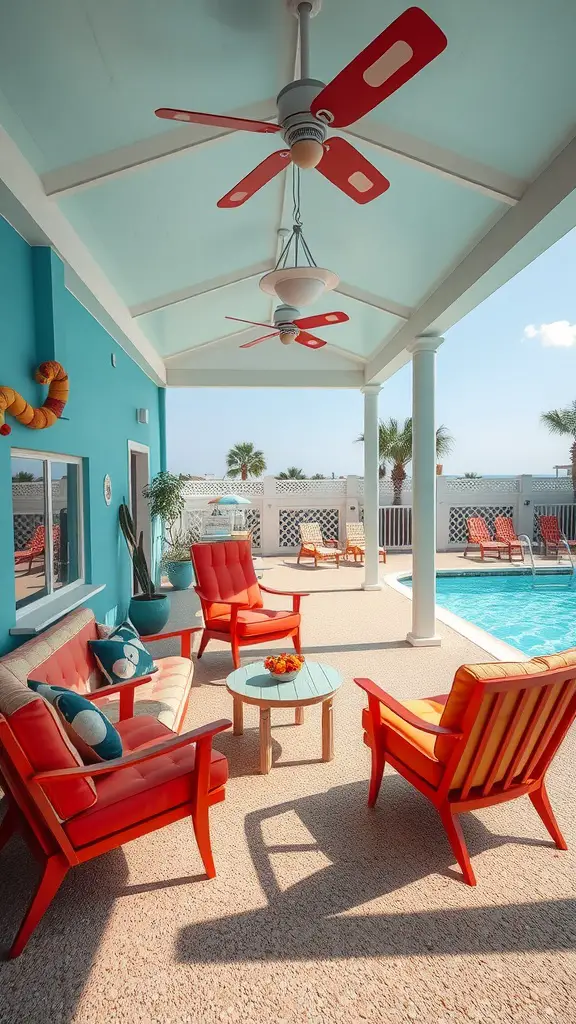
column 284, row 667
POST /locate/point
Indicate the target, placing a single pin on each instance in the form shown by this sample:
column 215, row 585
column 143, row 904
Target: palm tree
column 292, row 473
column 317, row 476
column 395, row 447
column 563, row 421
column 244, row 460
column 472, row 476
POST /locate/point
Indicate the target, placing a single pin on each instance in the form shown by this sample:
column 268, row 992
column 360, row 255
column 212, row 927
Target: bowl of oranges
column 283, row 667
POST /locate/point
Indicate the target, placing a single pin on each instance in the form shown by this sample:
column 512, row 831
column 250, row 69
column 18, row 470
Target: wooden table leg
column 238, row 716
column 265, row 741
column 327, row 730
column 299, row 716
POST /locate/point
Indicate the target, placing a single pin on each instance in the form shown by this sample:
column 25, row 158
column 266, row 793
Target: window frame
column 47, row 458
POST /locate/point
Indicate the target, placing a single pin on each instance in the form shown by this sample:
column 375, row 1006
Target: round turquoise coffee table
column 315, row 684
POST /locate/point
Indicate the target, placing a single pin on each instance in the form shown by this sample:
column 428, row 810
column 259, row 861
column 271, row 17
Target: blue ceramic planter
column 179, row 574
column 149, row 616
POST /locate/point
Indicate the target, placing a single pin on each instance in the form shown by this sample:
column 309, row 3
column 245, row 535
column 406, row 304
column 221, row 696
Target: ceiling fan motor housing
column 298, row 124
column 283, row 320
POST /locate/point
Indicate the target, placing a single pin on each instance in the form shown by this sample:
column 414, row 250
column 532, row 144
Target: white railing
column 395, row 523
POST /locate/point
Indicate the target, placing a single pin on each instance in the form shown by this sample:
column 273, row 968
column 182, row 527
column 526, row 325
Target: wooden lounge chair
column 314, row 546
column 36, row 546
column 492, row 738
column 551, row 535
column 356, row 543
column 505, row 533
column 478, row 534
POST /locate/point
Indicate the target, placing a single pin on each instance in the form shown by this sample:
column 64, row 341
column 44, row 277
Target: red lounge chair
column 231, row 599
column 36, row 546
column 551, row 536
column 505, row 533
column 69, row 812
column 492, row 738
column 478, row 534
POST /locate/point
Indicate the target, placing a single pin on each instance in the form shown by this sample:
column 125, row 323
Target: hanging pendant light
column 297, row 283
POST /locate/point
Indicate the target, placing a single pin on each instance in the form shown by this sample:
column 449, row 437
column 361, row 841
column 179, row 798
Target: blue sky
column 494, row 379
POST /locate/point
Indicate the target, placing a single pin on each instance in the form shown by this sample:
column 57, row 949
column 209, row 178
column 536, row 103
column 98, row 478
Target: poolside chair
column 314, row 546
column 551, row 535
column 491, row 739
column 505, row 533
column 356, row 542
column 478, row 534
column 231, row 599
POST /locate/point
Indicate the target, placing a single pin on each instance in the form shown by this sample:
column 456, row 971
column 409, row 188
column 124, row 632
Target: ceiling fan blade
column 255, row 323
column 390, row 60
column 309, row 340
column 249, row 344
column 351, row 172
column 239, row 124
column 254, row 181
column 321, row 320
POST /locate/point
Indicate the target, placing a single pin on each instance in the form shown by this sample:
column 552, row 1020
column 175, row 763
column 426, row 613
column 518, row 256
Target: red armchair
column 231, row 599
column 69, row 812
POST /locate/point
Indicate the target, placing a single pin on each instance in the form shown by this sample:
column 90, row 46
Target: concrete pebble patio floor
column 322, row 910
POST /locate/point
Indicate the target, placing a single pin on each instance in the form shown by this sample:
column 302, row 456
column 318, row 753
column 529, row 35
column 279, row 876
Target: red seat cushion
column 142, row 791
column 256, row 622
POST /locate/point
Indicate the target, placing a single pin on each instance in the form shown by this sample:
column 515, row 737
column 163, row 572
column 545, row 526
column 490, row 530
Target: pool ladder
column 544, row 569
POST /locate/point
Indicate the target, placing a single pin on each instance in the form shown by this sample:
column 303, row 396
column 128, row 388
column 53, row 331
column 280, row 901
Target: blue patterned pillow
column 93, row 735
column 122, row 655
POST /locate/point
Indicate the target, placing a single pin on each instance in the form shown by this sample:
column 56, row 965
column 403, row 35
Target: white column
column 423, row 632
column 371, row 487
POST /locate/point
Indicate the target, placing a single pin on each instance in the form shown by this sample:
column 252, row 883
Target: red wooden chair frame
column 451, row 802
column 479, row 534
column 31, row 813
column 505, row 533
column 551, row 535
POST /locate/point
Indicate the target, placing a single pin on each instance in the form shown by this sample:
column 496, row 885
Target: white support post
column 371, row 487
column 423, row 633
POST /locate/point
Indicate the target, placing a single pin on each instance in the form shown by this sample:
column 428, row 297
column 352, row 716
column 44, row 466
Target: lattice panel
column 330, row 488
column 216, row 488
column 24, row 526
column 562, row 484
column 457, row 532
column 290, row 518
column 496, row 485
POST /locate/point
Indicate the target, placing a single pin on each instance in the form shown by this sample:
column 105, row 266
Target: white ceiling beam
column 194, row 290
column 369, row 299
column 517, row 238
column 247, row 334
column 428, row 157
column 222, row 378
column 25, row 187
column 106, row 166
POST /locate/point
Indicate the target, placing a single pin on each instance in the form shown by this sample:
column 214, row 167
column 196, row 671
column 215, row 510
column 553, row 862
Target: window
column 47, row 517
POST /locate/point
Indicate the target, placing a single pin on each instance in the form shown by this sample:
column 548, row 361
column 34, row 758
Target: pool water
column 536, row 617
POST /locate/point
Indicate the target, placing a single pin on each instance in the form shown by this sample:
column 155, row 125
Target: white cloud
column 560, row 334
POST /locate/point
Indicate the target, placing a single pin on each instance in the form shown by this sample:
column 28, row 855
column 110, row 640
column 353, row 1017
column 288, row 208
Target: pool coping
column 499, row 649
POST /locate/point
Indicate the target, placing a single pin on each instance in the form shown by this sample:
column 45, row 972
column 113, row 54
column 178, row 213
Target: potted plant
column 149, row 610
column 165, row 496
column 176, row 559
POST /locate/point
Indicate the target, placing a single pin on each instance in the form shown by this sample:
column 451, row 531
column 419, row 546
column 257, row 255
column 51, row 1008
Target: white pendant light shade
column 299, row 286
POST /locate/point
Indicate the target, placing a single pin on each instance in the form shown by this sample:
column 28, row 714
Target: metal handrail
column 525, row 540
column 567, row 546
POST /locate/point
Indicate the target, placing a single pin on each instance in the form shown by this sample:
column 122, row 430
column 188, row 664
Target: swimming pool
column 537, row 618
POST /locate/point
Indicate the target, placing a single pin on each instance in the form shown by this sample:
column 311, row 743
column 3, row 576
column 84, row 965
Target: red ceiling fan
column 307, row 106
column 289, row 326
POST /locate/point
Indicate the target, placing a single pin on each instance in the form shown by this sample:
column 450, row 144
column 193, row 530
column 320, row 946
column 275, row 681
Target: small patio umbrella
column 229, row 499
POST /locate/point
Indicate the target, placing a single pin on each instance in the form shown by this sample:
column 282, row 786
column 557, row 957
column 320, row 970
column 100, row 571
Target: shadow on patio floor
column 372, row 855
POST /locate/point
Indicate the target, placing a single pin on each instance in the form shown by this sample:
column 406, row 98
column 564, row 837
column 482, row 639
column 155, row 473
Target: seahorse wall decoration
column 54, row 375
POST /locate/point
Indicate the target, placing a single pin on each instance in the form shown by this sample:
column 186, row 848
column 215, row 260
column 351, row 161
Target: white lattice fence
column 217, row 488
column 24, row 526
column 459, row 514
column 472, row 485
column 329, row 488
column 289, row 520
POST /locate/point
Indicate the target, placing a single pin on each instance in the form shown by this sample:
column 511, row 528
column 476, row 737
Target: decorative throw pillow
column 93, row 735
column 122, row 655
column 105, row 631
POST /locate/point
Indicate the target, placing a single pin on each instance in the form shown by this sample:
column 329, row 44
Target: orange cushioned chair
column 479, row 534
column 69, row 812
column 232, row 600
column 551, row 535
column 492, row 738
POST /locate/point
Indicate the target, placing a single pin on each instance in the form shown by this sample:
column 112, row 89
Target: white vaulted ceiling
column 478, row 148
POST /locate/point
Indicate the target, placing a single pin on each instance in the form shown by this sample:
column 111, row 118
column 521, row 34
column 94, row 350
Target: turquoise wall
column 40, row 319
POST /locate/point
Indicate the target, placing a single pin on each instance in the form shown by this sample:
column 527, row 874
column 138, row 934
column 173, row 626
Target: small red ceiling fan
column 307, row 106
column 290, row 326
